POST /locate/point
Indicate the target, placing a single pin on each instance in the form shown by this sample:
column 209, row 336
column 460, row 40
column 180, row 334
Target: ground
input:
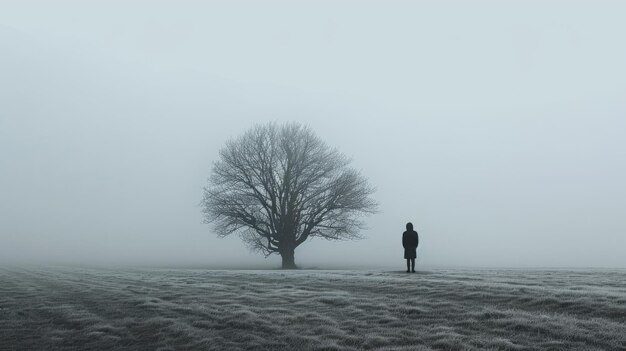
column 68, row 308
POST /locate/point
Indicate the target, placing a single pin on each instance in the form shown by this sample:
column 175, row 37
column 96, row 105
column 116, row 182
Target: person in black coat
column 410, row 240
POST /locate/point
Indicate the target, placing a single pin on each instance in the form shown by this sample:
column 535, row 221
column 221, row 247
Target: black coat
column 410, row 241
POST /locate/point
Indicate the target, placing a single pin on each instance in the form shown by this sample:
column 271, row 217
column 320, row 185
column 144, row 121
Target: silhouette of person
column 410, row 240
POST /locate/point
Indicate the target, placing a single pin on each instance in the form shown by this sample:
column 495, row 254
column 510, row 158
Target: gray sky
column 497, row 128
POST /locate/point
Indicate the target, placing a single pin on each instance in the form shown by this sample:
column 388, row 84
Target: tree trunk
column 289, row 261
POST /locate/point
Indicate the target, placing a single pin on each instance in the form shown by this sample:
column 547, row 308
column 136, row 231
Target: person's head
column 409, row 226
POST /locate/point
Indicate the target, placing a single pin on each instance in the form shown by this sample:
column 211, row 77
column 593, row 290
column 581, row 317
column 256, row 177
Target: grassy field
column 172, row 309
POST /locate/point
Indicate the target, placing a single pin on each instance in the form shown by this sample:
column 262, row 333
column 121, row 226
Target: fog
column 496, row 128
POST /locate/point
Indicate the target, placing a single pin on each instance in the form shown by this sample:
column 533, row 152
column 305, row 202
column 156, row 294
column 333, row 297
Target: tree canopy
column 279, row 185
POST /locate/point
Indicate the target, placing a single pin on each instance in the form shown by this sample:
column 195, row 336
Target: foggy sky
column 496, row 128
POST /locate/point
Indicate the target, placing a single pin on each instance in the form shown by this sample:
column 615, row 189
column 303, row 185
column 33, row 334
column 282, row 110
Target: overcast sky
column 497, row 128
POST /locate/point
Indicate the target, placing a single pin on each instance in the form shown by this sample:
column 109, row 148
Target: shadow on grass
column 404, row 272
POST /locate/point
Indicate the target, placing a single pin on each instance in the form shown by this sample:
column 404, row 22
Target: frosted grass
column 172, row 309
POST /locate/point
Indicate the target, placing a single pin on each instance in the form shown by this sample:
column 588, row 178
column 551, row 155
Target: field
column 68, row 308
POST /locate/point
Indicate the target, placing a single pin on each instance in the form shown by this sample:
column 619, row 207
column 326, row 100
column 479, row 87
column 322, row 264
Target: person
column 410, row 240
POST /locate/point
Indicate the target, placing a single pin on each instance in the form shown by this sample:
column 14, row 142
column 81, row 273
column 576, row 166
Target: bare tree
column 279, row 185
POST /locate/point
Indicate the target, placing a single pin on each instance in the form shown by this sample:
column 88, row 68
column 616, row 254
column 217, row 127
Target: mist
column 496, row 128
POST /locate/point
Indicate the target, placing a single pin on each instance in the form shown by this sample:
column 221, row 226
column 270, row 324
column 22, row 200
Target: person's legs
column 408, row 262
column 413, row 265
